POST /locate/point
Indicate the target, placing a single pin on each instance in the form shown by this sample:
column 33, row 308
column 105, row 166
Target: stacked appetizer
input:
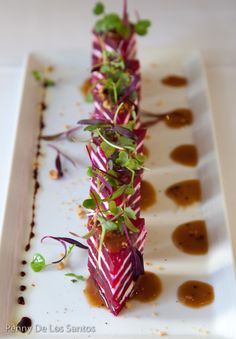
column 116, row 231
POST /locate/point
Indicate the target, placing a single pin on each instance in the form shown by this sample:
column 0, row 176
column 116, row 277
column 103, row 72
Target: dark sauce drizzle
column 26, row 322
column 43, row 106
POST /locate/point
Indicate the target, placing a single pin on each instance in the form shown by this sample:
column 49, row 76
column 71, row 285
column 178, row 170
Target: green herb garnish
column 76, row 277
column 38, row 262
column 98, row 9
column 45, row 82
column 141, row 27
column 114, row 23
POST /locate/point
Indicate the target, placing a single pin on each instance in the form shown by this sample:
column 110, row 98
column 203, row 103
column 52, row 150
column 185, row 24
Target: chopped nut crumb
column 53, row 174
column 148, row 263
column 33, row 285
column 81, row 212
column 50, row 69
column 60, row 265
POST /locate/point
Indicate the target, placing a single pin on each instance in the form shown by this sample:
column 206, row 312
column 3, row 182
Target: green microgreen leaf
column 90, row 172
column 98, row 8
column 122, row 158
column 109, row 142
column 48, row 83
column 37, row 75
column 113, row 208
column 141, row 27
column 75, row 276
column 130, row 225
column 70, row 250
column 129, row 190
column 130, row 213
column 89, row 234
column 118, row 192
column 89, row 97
column 107, row 149
column 89, row 204
column 38, row 262
column 107, row 224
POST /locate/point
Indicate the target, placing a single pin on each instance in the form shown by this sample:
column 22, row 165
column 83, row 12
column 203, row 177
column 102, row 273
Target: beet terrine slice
column 114, row 278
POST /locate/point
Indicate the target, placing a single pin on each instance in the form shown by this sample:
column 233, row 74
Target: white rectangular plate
column 54, row 302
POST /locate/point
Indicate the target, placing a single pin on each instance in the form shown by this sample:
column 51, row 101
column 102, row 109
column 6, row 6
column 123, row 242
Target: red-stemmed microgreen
column 68, row 134
column 58, row 164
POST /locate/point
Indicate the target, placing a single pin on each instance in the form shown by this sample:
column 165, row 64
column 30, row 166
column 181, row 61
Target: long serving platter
column 56, row 305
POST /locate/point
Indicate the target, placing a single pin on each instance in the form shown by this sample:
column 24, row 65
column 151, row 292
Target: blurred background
column 208, row 25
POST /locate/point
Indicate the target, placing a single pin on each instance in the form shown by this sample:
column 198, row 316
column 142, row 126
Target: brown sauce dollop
column 147, row 288
column 185, row 155
column 185, row 193
column 191, row 237
column 194, row 293
column 174, row 81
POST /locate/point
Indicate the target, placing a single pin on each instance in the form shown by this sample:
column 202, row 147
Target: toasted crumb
column 33, row 285
column 81, row 212
column 67, row 126
column 162, row 333
column 148, row 263
column 124, row 244
column 50, row 69
column 53, row 174
column 60, row 265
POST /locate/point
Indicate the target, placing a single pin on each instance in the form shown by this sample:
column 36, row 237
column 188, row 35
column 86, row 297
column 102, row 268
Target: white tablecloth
column 208, row 25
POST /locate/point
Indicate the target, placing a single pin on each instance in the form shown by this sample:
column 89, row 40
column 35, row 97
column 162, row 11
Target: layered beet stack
column 116, row 231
